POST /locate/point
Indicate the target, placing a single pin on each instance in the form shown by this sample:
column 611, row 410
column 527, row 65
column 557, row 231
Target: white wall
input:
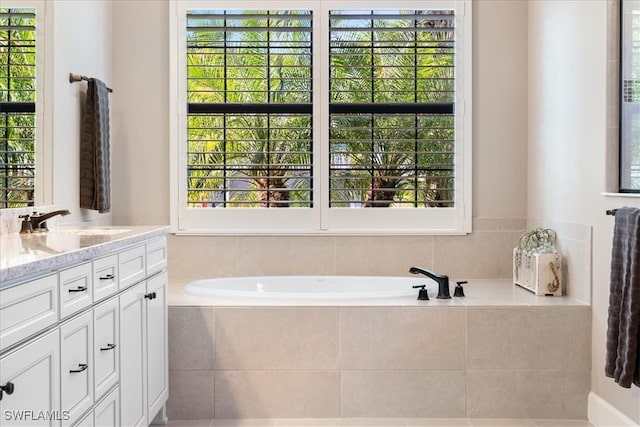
column 81, row 45
column 568, row 87
column 141, row 112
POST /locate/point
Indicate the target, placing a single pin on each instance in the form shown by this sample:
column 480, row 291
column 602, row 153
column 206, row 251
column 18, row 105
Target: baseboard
column 602, row 414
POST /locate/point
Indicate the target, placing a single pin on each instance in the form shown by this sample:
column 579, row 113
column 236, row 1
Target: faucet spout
column 441, row 279
column 38, row 221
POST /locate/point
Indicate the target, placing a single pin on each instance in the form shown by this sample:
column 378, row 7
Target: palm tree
column 254, row 159
column 395, row 158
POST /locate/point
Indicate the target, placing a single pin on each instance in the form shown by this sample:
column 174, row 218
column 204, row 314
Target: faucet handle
column 25, row 226
column 423, row 295
column 459, row 290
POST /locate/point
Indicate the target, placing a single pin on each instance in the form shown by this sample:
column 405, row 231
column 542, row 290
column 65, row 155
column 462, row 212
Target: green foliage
column 264, row 159
column 17, row 84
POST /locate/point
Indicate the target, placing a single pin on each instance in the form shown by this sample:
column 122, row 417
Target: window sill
column 327, row 233
column 622, row 195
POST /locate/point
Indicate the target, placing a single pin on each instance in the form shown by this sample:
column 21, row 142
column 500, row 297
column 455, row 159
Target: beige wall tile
column 576, row 268
column 484, row 224
column 201, row 257
column 280, row 255
column 191, row 338
column 516, row 224
column 407, row 394
column 277, row 394
column 527, row 394
column 403, row 338
column 381, row 255
column 480, row 255
column 529, row 338
column 277, row 338
column 191, row 395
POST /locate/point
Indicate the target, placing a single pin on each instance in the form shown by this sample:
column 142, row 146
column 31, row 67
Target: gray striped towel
column 95, row 175
column 623, row 333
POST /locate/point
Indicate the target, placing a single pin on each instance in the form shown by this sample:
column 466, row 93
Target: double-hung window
column 321, row 117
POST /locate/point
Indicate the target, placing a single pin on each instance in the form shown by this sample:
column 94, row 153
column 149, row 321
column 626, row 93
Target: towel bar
column 611, row 212
column 78, row 78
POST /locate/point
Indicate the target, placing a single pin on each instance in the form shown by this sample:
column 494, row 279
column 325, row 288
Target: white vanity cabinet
column 86, row 345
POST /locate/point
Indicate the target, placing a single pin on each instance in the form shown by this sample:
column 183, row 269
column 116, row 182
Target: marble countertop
column 26, row 255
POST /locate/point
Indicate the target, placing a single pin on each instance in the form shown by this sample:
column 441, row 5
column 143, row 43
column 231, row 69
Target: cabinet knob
column 83, row 367
column 107, row 277
column 7, row 388
column 78, row 289
column 108, row 347
column 151, row 295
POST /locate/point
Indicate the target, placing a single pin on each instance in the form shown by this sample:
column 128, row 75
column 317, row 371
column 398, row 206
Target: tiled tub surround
column 500, row 352
column 486, row 253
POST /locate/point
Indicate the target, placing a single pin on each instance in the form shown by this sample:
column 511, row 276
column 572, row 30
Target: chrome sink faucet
column 38, row 221
column 440, row 279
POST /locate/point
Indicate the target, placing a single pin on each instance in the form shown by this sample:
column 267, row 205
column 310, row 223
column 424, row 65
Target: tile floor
column 379, row 422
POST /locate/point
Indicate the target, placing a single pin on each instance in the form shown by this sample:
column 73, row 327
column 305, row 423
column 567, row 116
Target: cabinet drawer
column 131, row 266
column 75, row 289
column 105, row 277
column 106, row 349
column 27, row 308
column 34, row 371
column 156, row 256
column 76, row 370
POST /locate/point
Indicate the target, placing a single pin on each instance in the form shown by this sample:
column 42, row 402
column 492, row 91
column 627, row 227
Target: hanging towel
column 623, row 334
column 95, row 183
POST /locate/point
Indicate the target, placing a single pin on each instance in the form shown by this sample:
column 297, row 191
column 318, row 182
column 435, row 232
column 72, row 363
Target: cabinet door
column 133, row 339
column 157, row 363
column 107, row 412
column 34, row 371
column 106, row 348
column 76, row 369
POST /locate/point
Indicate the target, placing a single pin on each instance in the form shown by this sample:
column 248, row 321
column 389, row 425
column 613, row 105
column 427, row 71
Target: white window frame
column 320, row 219
column 43, row 187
